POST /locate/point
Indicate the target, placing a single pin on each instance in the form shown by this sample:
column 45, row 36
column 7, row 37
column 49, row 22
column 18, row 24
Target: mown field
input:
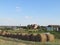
column 12, row 41
column 29, row 31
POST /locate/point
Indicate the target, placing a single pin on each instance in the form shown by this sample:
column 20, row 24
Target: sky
column 24, row 12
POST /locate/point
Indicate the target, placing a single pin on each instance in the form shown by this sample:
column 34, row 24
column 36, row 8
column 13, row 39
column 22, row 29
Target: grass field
column 11, row 41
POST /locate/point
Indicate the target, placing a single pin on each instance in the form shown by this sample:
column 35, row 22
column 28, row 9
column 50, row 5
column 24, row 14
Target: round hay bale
column 50, row 37
column 3, row 33
column 11, row 35
column 37, row 37
column 24, row 36
column 43, row 37
column 0, row 32
column 27, row 37
column 14, row 35
column 34, row 37
column 30, row 37
column 19, row 35
column 7, row 34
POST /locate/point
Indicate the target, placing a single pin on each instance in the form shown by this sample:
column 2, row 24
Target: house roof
column 53, row 25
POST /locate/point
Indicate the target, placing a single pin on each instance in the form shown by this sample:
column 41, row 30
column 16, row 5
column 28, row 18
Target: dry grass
column 5, row 42
column 11, row 41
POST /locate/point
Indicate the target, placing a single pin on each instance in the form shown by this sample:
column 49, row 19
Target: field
column 11, row 41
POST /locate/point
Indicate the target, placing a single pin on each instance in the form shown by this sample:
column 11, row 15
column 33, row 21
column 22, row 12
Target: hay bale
column 40, row 38
column 19, row 35
column 27, row 37
column 3, row 33
column 24, row 36
column 11, row 35
column 34, row 37
column 7, row 34
column 50, row 37
column 37, row 37
column 30, row 37
column 14, row 35
column 43, row 37
column 0, row 32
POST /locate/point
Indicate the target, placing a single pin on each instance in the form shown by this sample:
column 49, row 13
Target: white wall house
column 53, row 28
column 49, row 28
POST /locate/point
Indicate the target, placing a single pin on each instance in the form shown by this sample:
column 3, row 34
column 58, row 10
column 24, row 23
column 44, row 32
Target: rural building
column 34, row 26
column 53, row 28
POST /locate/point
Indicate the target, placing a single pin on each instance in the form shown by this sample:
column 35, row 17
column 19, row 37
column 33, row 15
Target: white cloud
column 18, row 9
column 28, row 17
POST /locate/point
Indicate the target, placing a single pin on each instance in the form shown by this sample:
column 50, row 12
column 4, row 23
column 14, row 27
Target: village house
column 34, row 26
column 53, row 28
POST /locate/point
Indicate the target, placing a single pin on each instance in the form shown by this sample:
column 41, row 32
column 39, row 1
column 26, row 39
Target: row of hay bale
column 43, row 37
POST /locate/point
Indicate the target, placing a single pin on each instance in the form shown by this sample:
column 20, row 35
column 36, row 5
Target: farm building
column 53, row 28
column 33, row 26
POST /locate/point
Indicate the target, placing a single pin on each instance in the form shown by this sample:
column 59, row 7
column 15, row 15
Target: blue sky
column 42, row 12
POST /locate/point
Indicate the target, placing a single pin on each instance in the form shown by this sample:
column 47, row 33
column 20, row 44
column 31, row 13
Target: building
column 34, row 26
column 53, row 28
